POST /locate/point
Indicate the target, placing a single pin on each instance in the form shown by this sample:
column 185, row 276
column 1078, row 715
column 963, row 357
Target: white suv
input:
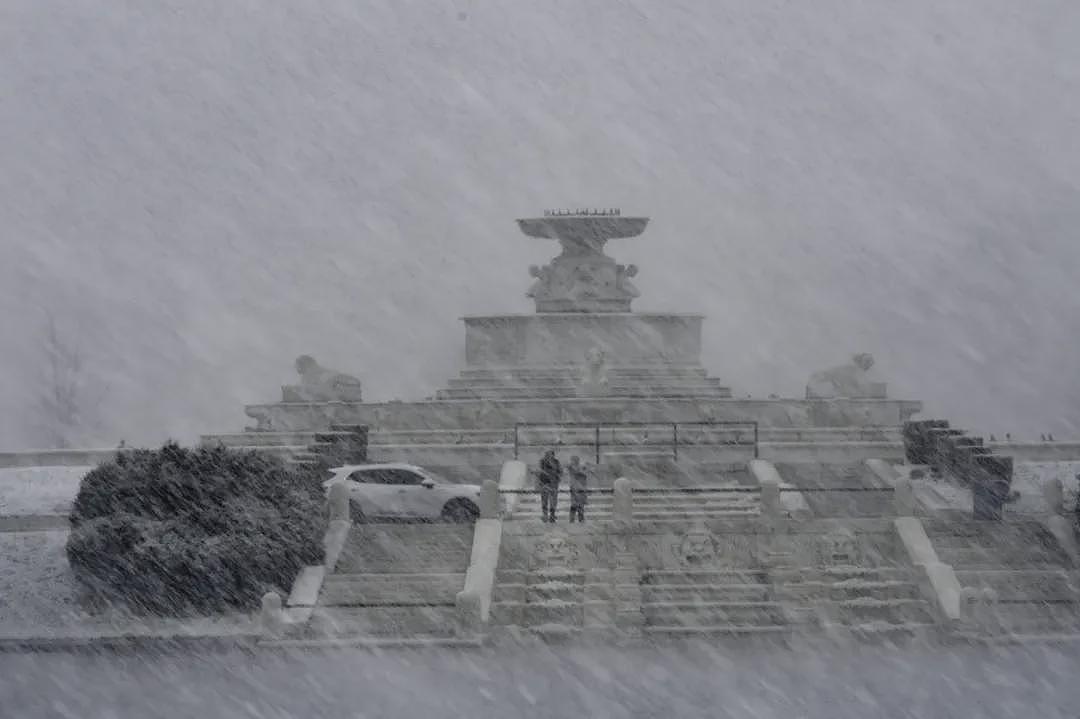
column 405, row 491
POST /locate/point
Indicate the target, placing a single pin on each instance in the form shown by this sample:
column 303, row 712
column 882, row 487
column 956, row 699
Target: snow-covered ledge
column 792, row 503
column 884, row 471
column 940, row 583
column 484, row 560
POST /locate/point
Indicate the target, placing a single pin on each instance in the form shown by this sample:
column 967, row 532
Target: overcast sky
column 200, row 190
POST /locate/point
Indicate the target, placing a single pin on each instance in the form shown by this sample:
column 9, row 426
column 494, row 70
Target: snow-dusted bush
column 178, row 531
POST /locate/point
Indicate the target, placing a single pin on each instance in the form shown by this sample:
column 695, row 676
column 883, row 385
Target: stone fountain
column 583, row 355
column 583, row 311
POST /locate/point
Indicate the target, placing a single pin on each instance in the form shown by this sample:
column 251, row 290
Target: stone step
column 406, row 548
column 390, row 589
column 666, row 504
column 842, row 575
column 285, row 451
column 531, row 614
column 555, row 392
column 892, row 611
column 703, row 577
column 442, row 436
column 619, row 380
column 841, row 591
column 1036, row 617
column 719, row 630
column 575, row 371
column 258, row 439
column 990, row 557
column 591, row 515
column 542, row 588
column 691, row 593
column 673, row 614
column 799, row 592
column 382, row 621
column 1024, row 584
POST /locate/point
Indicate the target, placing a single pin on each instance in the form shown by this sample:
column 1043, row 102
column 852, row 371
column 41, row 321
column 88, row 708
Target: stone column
column 904, row 498
column 623, row 500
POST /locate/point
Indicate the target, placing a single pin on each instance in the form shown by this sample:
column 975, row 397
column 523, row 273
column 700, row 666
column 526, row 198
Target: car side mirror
column 428, row 483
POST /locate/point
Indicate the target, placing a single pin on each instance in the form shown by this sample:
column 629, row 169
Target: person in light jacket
column 579, row 483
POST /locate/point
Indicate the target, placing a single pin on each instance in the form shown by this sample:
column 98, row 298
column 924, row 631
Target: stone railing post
column 1054, row 494
column 489, row 499
column 469, row 608
column 770, row 499
column 339, row 501
column 272, row 616
column 978, row 609
column 623, row 500
column 903, row 498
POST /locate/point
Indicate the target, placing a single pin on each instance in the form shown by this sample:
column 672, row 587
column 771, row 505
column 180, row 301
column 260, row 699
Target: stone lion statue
column 320, row 384
column 853, row 381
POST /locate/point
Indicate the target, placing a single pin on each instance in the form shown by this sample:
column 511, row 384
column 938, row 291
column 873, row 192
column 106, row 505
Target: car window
column 403, row 476
column 366, row 476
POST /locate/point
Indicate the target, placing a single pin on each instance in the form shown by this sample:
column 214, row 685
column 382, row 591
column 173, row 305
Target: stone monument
column 585, row 355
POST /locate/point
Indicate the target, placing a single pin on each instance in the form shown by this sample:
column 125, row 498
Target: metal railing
column 598, row 429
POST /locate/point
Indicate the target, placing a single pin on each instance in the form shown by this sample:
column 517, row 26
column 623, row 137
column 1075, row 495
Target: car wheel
column 460, row 510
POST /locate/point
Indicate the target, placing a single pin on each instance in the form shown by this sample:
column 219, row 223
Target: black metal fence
column 618, row 434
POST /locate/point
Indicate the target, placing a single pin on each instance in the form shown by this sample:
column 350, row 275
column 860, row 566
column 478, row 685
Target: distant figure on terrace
column 320, row 384
column 549, row 478
column 853, row 381
column 579, row 483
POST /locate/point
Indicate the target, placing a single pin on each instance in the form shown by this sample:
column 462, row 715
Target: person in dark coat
column 550, row 476
column 579, row 482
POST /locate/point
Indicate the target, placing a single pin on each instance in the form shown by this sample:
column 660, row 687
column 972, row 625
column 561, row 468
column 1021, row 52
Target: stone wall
column 554, row 339
column 469, row 414
column 746, row 543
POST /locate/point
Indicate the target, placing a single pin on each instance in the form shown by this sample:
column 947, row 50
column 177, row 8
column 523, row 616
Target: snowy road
column 563, row 681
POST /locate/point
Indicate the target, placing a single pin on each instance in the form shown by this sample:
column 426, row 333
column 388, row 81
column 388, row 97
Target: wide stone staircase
column 657, row 504
column 709, row 602
column 394, row 582
column 839, row 490
column 553, row 600
column 1037, row 587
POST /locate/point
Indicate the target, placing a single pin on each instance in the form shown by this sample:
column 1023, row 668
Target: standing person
column 550, row 476
column 579, row 482
column 1076, row 510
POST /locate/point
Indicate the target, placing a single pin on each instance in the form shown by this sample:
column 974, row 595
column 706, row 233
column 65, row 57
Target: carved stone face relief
column 839, row 549
column 555, row 549
column 698, row 546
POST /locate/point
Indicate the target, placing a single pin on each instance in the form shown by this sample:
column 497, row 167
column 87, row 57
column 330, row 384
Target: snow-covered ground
column 39, row 598
column 37, row 591
column 39, row 490
column 535, row 680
